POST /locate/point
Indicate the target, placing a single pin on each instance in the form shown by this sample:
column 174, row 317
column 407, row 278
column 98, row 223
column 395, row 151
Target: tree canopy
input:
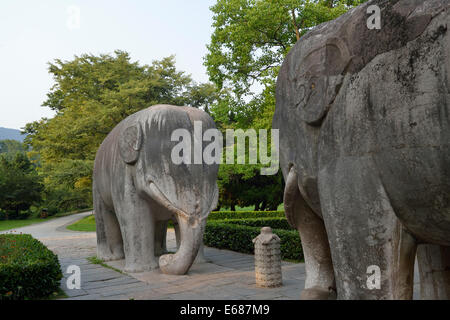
column 248, row 45
column 11, row 147
column 20, row 186
column 91, row 95
column 252, row 37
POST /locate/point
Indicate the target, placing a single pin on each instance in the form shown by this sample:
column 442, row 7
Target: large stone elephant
column 137, row 188
column 364, row 120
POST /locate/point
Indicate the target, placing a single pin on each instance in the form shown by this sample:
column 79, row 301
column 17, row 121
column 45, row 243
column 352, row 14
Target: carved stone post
column 267, row 259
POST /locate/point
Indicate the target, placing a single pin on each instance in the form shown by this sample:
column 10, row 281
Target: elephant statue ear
column 130, row 143
column 320, row 76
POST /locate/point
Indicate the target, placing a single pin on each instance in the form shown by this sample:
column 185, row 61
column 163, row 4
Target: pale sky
column 33, row 33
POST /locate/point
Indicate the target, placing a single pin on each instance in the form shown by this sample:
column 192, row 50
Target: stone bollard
column 267, row 259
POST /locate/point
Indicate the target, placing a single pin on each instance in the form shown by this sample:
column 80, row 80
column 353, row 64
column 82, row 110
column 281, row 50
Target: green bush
column 237, row 235
column 28, row 270
column 273, row 222
column 14, row 215
column 221, row 215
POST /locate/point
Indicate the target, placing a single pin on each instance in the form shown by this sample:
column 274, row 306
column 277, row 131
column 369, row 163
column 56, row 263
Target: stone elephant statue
column 364, row 120
column 137, row 188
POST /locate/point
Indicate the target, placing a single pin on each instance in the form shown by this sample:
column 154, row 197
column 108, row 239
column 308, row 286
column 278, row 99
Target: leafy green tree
column 11, row 147
column 20, row 186
column 250, row 41
column 202, row 96
column 91, row 95
column 252, row 37
column 244, row 186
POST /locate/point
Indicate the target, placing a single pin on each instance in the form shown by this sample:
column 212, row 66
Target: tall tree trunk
column 294, row 22
column 263, row 205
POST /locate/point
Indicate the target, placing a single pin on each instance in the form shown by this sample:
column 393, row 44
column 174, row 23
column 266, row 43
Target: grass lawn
column 14, row 224
column 96, row 260
column 85, row 224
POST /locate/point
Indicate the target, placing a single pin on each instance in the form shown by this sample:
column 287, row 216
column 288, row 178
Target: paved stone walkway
column 228, row 276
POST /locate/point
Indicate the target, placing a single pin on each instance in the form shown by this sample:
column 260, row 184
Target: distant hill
column 11, row 134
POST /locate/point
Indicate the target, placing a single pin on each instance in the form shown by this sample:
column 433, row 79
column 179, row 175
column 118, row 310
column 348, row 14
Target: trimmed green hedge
column 221, row 215
column 225, row 215
column 273, row 222
column 28, row 269
column 237, row 235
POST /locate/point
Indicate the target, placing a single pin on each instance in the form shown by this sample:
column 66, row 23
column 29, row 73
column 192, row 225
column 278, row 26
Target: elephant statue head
column 320, row 68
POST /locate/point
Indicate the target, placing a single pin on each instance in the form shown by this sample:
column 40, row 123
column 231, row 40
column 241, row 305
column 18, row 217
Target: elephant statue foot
column 201, row 256
column 434, row 269
column 317, row 293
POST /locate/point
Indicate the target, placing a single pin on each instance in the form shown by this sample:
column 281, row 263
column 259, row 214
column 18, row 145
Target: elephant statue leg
column 320, row 284
column 434, row 268
column 373, row 255
column 138, row 232
column 176, row 227
column 201, row 255
column 160, row 238
column 109, row 238
column 138, row 235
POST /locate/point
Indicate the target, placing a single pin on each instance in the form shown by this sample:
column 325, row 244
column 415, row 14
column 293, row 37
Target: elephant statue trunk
column 191, row 231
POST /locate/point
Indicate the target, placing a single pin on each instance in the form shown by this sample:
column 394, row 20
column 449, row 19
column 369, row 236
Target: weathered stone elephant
column 364, row 120
column 137, row 188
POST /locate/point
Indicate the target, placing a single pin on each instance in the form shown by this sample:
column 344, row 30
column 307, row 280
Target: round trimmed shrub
column 28, row 269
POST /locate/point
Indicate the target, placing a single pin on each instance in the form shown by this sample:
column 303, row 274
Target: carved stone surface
column 364, row 120
column 267, row 259
column 137, row 188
